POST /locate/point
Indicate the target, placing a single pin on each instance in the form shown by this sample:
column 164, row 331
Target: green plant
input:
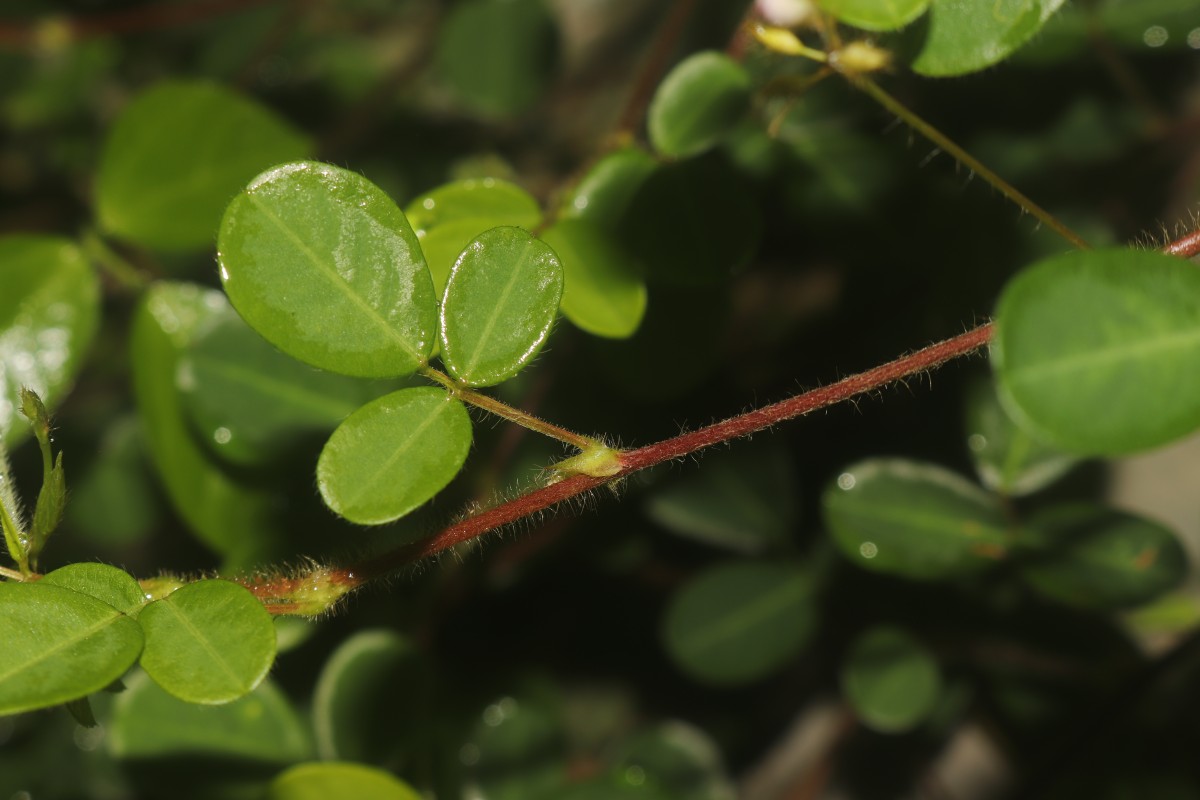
column 365, row 344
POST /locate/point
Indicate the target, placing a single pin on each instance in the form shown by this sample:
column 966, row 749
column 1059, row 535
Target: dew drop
column 868, row 550
column 846, row 481
column 222, row 435
column 1155, row 36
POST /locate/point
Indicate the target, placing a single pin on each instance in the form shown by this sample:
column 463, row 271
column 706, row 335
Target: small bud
column 780, row 40
column 597, row 461
column 860, row 58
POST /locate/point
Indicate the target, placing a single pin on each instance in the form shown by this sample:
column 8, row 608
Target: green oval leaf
column 372, row 691
column 321, row 781
column 322, row 263
column 49, row 312
column 501, row 301
column 497, row 54
column 208, row 642
column 969, row 35
column 1099, row 558
column 59, row 645
column 448, row 218
column 393, row 454
column 603, row 292
column 107, row 584
column 251, row 403
column 697, row 104
column 1008, row 458
column 739, row 622
column 891, row 681
column 875, row 15
column 742, row 499
column 604, row 193
column 914, row 520
column 1099, row 351
column 176, row 155
column 262, row 726
column 224, row 513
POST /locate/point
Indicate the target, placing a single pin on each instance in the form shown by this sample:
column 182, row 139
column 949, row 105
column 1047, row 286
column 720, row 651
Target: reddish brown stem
column 656, row 64
column 149, row 17
column 1187, row 247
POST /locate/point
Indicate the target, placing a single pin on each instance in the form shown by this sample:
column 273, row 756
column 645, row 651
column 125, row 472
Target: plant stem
column 665, row 40
column 494, row 406
column 962, row 156
column 11, row 574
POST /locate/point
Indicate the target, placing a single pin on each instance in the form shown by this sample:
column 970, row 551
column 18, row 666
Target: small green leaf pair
column 78, row 629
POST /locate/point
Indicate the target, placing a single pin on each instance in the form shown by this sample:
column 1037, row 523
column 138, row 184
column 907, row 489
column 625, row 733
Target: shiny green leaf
column 101, row 581
column 742, row 499
column 680, row 759
column 604, row 193
column 739, row 622
column 497, row 55
column 322, row 263
column 891, row 681
column 148, row 723
column 393, row 454
column 251, row 403
column 969, row 35
column 176, row 155
column 49, row 312
column 59, row 645
column 603, row 291
column 915, row 520
column 697, row 104
column 371, row 690
column 208, row 642
column 225, row 514
column 1099, row 351
column 501, row 301
column 1008, row 458
column 1099, row 558
column 693, row 223
column 321, row 781
column 449, row 217
column 875, row 15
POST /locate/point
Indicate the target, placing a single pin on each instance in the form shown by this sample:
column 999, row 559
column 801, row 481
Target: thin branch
column 652, row 70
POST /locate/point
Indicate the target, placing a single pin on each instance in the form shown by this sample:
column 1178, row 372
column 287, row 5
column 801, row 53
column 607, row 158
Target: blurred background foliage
column 724, row 628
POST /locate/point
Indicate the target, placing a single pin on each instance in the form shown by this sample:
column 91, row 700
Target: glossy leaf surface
column 698, row 102
column 739, row 622
column 208, row 642
column 262, row 726
column 393, row 454
column 251, row 403
column 497, row 54
column 742, row 499
column 320, row 781
column 915, row 520
column 875, row 15
column 1092, row 557
column 225, row 514
column 101, row 581
column 358, row 299
column 969, row 35
column 49, row 312
column 1008, row 458
column 500, row 303
column 449, row 217
column 603, row 290
column 176, row 155
column 603, row 194
column 1099, row 351
column 373, row 680
column 891, row 681
column 59, row 645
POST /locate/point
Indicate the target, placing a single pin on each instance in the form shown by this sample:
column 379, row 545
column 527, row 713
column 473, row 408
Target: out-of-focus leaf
column 969, row 35
column 698, row 103
column 891, row 680
column 603, row 290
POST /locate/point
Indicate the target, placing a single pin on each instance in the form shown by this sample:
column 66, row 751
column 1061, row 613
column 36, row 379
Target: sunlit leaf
column 969, row 35
column 176, row 155
column 603, row 290
column 1099, row 558
column 393, row 454
column 321, row 781
column 49, row 311
column 699, row 101
column 915, row 520
column 59, row 645
column 741, row 621
column 603, row 194
column 891, row 681
column 358, row 299
column 1099, row 351
column 500, row 303
column 101, row 581
column 208, row 642
column 875, row 15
